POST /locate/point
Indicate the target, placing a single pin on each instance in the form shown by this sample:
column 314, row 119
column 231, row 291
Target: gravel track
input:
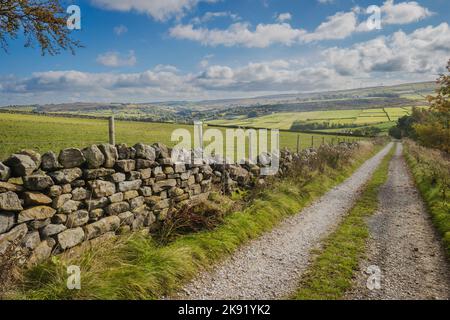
column 270, row 266
column 403, row 244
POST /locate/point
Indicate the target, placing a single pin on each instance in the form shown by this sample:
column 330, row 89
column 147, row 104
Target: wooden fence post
column 298, row 143
column 112, row 131
column 312, row 141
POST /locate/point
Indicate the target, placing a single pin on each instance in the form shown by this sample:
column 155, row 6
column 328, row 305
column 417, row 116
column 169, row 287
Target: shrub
column 191, row 218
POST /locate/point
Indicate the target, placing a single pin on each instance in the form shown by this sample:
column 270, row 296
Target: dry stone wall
column 50, row 203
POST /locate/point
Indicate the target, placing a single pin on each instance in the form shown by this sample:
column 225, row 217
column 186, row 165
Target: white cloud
column 336, row 27
column 115, row 59
column 120, row 30
column 403, row 13
column 284, row 17
column 160, row 10
column 339, row 26
column 325, row 1
column 423, row 51
column 209, row 16
column 240, row 34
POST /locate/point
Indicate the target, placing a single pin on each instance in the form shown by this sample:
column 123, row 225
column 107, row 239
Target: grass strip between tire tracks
column 332, row 270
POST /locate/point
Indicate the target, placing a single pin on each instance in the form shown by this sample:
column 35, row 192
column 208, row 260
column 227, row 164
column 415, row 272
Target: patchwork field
column 44, row 133
column 333, row 117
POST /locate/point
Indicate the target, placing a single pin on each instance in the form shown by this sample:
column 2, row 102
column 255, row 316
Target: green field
column 361, row 117
column 44, row 133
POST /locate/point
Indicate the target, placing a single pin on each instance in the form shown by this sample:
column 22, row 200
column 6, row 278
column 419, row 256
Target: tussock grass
column 331, row 272
column 137, row 267
column 431, row 172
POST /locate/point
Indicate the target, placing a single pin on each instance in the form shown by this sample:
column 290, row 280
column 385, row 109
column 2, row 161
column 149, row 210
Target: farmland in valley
column 341, row 118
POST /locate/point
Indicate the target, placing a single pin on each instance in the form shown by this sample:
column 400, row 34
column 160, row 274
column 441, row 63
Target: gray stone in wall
column 79, row 194
column 36, row 157
column 102, row 189
column 136, row 202
column 148, row 182
column 94, row 157
column 125, row 165
column 164, row 184
column 149, row 219
column 118, row 177
column 180, row 168
column 128, row 195
column 168, row 170
column 175, row 192
column 152, row 200
column 36, row 213
column 59, row 218
column 191, row 180
column 42, row 252
column 21, row 165
column 125, row 152
column 129, row 185
column 96, row 214
column 52, row 230
column 102, row 226
column 145, row 191
column 77, row 219
column 67, row 188
column 6, row 186
column 9, row 201
column 110, row 153
column 66, row 175
column 15, row 235
column 145, row 173
column 37, row 182
column 78, row 183
column 71, row 158
column 144, row 164
column 126, row 217
column 5, row 172
column 55, row 191
column 97, row 203
column 185, row 175
column 49, row 162
column 157, row 171
column 133, row 175
column 59, row 201
column 144, row 151
column 36, row 199
column 70, row 206
column 163, row 204
column 116, row 208
column 162, row 151
column 70, row 238
column 7, row 220
column 92, row 174
column 117, row 197
column 39, row 224
column 31, row 240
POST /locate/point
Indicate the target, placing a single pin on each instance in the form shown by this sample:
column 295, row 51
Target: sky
column 162, row 50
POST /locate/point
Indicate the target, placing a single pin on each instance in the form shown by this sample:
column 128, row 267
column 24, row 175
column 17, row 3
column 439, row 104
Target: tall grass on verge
column 139, row 267
column 431, row 172
column 331, row 272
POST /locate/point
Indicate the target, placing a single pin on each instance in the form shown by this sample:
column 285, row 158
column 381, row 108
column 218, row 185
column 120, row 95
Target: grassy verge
column 330, row 274
column 431, row 172
column 136, row 267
